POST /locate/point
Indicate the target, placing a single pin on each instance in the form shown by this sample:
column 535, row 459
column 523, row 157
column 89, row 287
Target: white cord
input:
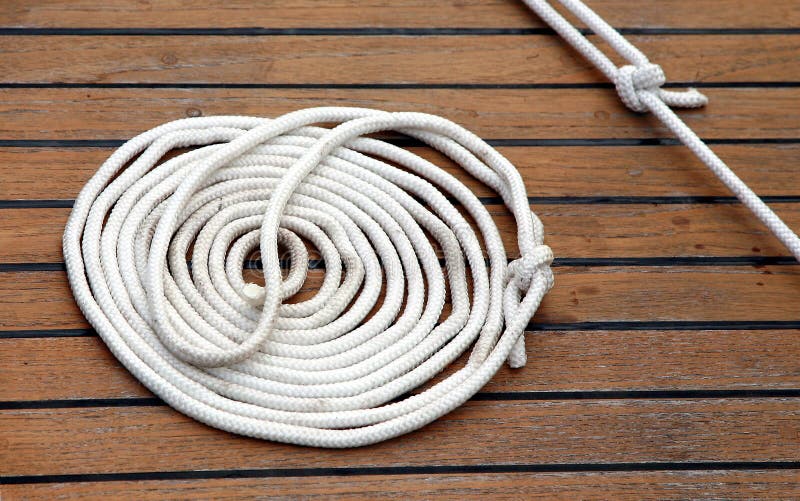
column 326, row 371
column 319, row 372
column 639, row 86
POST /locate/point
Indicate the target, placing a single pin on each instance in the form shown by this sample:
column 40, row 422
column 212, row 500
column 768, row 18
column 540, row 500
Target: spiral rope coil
column 323, row 371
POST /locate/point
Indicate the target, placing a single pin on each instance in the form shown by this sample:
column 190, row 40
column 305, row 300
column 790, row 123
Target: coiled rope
column 317, row 372
column 326, row 371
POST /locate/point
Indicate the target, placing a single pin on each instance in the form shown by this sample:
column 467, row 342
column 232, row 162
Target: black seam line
column 637, row 394
column 402, row 470
column 594, row 200
column 480, row 396
column 666, row 325
column 407, row 142
column 388, row 86
column 369, row 31
column 532, row 328
column 634, row 200
column 46, row 333
column 82, row 403
column 36, row 204
column 316, row 264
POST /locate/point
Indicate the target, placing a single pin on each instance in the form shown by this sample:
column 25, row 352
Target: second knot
column 523, row 270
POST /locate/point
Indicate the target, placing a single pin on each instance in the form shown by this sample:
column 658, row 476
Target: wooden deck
column 666, row 361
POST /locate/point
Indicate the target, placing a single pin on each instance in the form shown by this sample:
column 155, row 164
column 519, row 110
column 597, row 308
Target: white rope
column 320, row 372
column 326, row 371
column 639, row 86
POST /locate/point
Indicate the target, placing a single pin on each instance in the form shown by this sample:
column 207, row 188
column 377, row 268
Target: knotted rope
column 326, row 371
column 639, row 87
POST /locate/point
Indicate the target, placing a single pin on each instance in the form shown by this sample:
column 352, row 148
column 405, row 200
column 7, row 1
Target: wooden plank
column 506, row 114
column 573, row 231
column 93, row 114
column 385, row 13
column 42, row 300
column 28, row 233
column 83, row 368
column 123, row 439
column 387, row 59
column 753, row 484
column 32, row 370
column 575, row 171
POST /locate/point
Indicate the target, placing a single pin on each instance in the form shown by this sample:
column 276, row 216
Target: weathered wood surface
column 521, row 114
column 125, row 439
column 574, row 231
column 760, row 484
column 42, row 299
column 561, row 171
column 70, row 368
column 664, row 364
column 505, row 59
column 703, row 14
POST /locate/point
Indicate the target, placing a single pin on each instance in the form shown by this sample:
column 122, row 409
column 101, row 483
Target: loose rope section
column 326, row 371
column 639, row 87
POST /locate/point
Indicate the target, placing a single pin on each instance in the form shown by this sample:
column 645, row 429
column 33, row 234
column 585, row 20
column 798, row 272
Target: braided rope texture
column 639, row 84
column 326, row 371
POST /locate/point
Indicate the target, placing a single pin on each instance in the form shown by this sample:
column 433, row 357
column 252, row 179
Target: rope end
column 700, row 98
column 689, row 98
column 518, row 358
column 254, row 294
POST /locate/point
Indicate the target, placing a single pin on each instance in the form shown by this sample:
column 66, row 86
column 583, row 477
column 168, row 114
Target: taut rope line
column 325, row 371
column 639, row 86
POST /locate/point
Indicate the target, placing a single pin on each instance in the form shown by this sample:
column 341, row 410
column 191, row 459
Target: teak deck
column 666, row 361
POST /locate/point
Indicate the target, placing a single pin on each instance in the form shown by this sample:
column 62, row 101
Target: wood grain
column 698, row 485
column 387, row 59
column 124, row 439
column 383, row 13
column 572, row 171
column 96, row 114
column 83, row 368
column 42, row 300
column 573, row 231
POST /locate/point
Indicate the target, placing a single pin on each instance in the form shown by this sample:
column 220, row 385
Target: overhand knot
column 632, row 82
column 524, row 270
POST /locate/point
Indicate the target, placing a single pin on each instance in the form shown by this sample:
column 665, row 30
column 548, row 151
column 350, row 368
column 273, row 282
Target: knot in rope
column 522, row 271
column 632, row 81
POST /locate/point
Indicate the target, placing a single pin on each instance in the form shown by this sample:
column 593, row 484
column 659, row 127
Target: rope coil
column 321, row 371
